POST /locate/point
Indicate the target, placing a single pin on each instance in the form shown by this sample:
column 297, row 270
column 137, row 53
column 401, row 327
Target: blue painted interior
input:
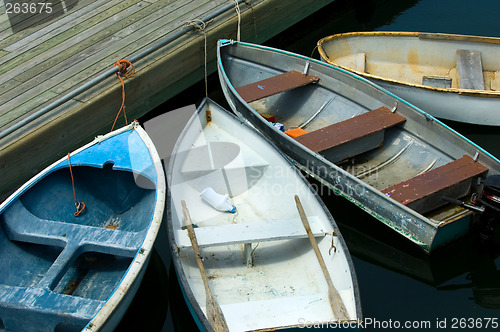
column 57, row 270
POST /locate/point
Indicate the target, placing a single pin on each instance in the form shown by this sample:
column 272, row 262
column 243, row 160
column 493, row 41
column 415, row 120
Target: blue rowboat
column 76, row 239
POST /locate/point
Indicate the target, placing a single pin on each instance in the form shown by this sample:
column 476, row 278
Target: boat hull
column 448, row 105
column 271, row 291
column 413, row 54
column 260, row 61
column 70, row 271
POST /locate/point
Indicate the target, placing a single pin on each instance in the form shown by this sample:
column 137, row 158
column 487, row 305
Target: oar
column 214, row 312
column 336, row 302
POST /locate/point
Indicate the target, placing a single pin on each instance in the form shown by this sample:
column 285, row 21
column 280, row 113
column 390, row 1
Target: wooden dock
column 48, row 54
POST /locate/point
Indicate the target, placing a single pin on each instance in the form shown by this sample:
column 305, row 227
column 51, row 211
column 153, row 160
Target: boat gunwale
column 420, row 35
column 137, row 267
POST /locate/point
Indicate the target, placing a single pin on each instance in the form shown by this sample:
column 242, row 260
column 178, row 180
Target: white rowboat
column 259, row 269
column 449, row 76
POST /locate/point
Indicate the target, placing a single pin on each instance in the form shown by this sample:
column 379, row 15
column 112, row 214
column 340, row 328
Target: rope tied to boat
column 126, row 70
column 238, row 12
column 314, row 49
column 201, row 26
column 80, row 206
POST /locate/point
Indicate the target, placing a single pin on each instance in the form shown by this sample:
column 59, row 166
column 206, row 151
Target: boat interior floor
column 373, row 145
column 61, row 267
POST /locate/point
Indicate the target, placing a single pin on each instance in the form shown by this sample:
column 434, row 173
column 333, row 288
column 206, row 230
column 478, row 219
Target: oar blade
column 215, row 315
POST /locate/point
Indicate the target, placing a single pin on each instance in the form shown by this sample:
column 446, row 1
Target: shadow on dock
column 24, row 15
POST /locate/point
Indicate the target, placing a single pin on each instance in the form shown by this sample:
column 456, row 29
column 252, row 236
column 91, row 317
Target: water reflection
column 149, row 308
column 467, row 264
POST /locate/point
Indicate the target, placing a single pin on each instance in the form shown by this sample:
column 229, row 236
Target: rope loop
column 198, row 24
column 123, row 65
column 125, row 69
column 80, row 206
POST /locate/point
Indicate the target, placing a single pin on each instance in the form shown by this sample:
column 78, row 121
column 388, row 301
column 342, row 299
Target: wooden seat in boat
column 251, row 232
column 470, row 70
column 268, row 307
column 352, row 136
column 424, row 192
column 273, row 85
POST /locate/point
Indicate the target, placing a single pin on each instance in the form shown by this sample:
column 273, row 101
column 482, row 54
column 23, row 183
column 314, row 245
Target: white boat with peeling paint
column 259, row 269
column 450, row 76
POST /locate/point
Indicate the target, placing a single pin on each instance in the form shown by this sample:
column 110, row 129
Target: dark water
column 456, row 287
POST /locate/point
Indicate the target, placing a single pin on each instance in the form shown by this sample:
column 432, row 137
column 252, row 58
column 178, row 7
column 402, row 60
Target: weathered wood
column 436, row 181
column 139, row 31
column 82, row 35
column 18, row 111
column 470, row 70
column 66, row 69
column 351, row 129
column 274, row 85
column 40, row 34
column 33, row 23
column 15, row 28
column 252, row 232
column 159, row 76
column 336, row 302
column 214, row 312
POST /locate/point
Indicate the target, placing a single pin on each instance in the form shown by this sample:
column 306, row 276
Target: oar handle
column 194, row 243
column 214, row 312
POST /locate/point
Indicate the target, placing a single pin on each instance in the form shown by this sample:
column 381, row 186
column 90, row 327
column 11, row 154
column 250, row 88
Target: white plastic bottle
column 219, row 202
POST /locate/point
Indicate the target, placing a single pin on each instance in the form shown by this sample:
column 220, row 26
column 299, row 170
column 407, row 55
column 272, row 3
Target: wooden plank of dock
column 44, row 56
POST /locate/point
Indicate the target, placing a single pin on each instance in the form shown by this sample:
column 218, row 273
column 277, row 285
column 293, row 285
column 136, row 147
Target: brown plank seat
column 352, row 136
column 273, row 85
column 424, row 192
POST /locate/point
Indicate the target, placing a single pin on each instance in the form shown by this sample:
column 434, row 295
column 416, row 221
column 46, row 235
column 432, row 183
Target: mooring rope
column 127, row 70
column 314, row 49
column 237, row 8
column 201, row 26
column 80, row 206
